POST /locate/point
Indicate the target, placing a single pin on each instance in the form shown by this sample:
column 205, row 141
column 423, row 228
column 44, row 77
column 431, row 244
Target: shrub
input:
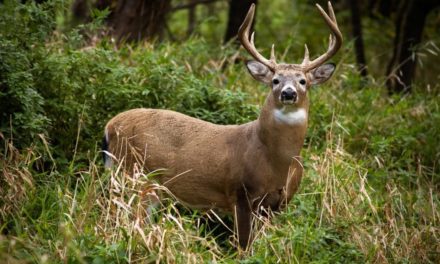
column 69, row 93
column 23, row 31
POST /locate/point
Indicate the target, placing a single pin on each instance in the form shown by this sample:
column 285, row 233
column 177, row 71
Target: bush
column 63, row 91
column 23, row 31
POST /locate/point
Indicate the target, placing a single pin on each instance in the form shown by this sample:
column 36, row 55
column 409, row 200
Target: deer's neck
column 282, row 129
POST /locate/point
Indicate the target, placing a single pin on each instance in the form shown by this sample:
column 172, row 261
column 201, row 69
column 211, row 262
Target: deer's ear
column 259, row 71
column 321, row 73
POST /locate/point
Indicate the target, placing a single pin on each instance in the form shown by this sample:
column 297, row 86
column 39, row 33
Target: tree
column 358, row 39
column 410, row 22
column 237, row 12
column 191, row 5
column 384, row 7
column 130, row 20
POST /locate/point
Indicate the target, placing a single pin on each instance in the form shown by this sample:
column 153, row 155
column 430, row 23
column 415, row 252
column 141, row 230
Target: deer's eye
column 275, row 81
column 302, row 81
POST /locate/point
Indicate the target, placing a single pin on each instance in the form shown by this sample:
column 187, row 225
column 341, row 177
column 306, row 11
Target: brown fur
column 235, row 168
column 211, row 161
column 206, row 165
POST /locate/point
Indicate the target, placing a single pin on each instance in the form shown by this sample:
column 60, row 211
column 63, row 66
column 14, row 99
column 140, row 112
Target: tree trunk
column 191, row 19
column 134, row 20
column 386, row 7
column 237, row 12
column 358, row 39
column 80, row 11
column 409, row 28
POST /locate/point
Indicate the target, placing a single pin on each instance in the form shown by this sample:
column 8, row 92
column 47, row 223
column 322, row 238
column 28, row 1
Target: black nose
column 289, row 94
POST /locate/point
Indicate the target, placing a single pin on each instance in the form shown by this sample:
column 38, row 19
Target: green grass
column 370, row 192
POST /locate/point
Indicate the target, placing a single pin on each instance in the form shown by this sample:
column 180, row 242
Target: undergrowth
column 370, row 192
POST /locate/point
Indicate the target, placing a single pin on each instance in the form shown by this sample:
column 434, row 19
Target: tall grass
column 370, row 192
column 347, row 210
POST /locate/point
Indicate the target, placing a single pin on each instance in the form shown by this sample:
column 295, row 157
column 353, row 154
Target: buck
column 232, row 168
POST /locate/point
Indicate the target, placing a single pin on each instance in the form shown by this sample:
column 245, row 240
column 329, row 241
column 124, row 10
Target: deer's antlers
column 243, row 34
column 335, row 42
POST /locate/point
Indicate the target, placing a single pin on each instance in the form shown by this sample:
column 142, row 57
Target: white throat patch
column 295, row 117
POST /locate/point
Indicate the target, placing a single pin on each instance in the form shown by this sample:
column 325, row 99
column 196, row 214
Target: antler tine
column 272, row 53
column 243, row 35
column 335, row 41
column 331, row 11
column 306, row 59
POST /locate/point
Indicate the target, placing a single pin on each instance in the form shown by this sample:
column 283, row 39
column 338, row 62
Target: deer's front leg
column 243, row 218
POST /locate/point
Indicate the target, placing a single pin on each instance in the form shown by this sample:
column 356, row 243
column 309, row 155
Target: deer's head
column 290, row 82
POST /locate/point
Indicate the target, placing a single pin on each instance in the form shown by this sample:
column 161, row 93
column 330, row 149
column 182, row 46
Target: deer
column 236, row 169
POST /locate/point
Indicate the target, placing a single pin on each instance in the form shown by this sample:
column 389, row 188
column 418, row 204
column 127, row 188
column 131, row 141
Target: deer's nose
column 289, row 94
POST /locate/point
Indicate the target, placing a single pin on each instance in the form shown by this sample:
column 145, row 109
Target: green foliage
column 298, row 236
column 391, row 133
column 23, row 31
column 73, row 89
column 88, row 87
column 369, row 193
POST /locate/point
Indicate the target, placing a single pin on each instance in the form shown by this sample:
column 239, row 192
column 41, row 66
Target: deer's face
column 289, row 84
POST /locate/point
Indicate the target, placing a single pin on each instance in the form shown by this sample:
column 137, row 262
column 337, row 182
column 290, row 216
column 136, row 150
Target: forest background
column 370, row 192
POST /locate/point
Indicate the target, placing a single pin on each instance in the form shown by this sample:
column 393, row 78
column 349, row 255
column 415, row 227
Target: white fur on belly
column 295, row 117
